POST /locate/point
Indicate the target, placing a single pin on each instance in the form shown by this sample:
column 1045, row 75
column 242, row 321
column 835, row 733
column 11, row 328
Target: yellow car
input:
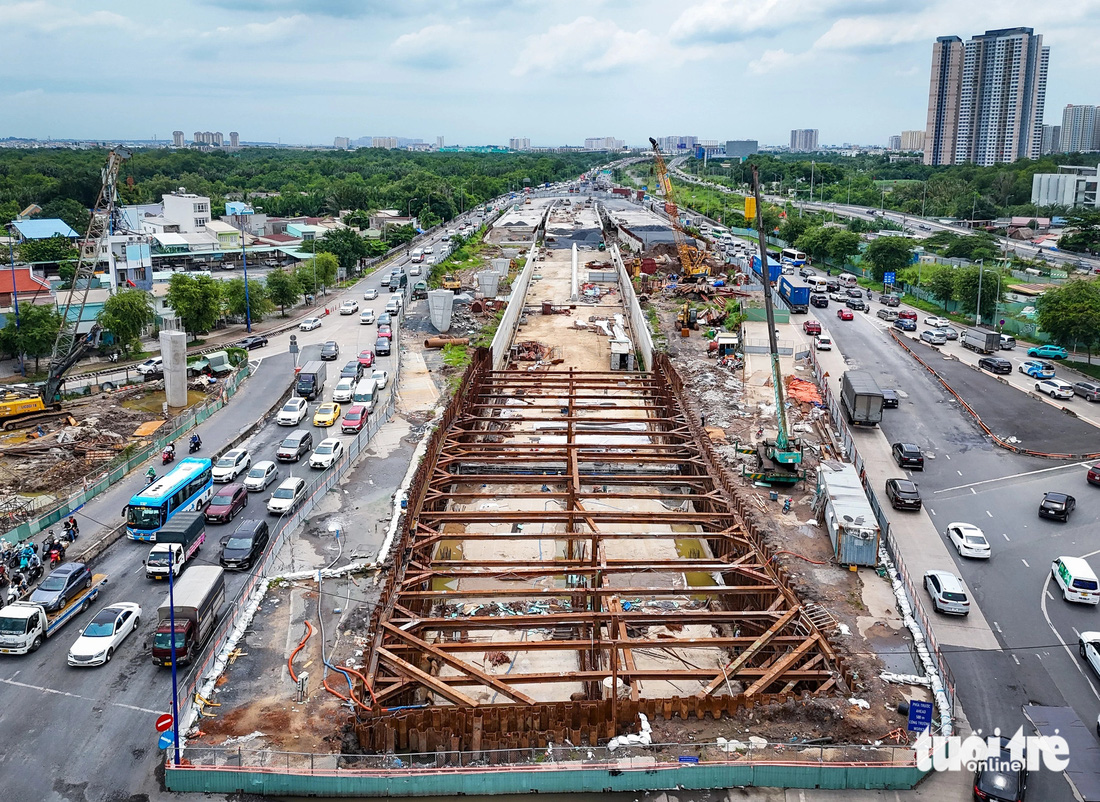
column 326, row 415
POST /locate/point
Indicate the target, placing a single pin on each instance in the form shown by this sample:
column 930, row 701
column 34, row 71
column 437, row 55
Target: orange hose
column 290, row 660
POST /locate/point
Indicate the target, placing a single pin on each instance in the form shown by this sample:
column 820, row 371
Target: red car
column 385, row 331
column 844, row 314
column 227, row 502
column 811, row 327
column 366, row 358
column 354, row 419
column 1093, row 477
column 907, row 314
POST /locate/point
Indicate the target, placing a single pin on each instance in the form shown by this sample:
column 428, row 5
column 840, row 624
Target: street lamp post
column 978, row 308
column 15, row 298
column 849, row 190
column 244, row 264
column 924, row 199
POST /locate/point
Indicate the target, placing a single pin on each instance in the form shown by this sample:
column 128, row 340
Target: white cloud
column 588, row 45
column 432, row 47
column 280, row 29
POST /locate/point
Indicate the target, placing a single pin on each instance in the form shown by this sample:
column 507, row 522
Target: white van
column 847, row 280
column 817, row 284
column 1076, row 579
column 366, row 393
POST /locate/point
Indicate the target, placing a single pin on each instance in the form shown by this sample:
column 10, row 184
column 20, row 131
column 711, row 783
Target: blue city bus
column 186, row 487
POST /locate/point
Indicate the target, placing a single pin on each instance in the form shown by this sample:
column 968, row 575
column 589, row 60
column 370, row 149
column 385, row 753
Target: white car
column 292, row 412
column 231, row 464
column 103, row 635
column 344, row 388
column 309, row 324
column 968, row 540
column 366, row 318
column 262, row 474
column 153, row 365
column 415, row 270
column 287, row 496
column 1088, row 644
column 370, row 295
column 936, row 322
column 329, row 450
column 427, row 248
column 381, row 378
column 1055, row 388
column 349, row 307
column 838, row 296
column 824, row 344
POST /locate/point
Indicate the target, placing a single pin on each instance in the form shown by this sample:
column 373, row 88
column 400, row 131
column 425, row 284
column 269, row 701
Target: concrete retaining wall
column 639, row 326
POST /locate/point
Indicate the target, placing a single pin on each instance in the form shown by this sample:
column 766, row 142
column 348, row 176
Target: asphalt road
column 87, row 734
column 969, row 479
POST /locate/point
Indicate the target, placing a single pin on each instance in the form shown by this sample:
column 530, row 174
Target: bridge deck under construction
column 573, row 556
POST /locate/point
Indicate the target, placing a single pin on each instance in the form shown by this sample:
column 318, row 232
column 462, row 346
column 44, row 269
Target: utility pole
column 924, row 199
column 978, row 308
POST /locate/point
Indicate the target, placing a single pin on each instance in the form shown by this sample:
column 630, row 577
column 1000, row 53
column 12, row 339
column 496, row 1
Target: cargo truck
column 311, row 380
column 24, row 625
column 861, row 397
column 177, row 542
column 981, row 340
column 775, row 269
column 199, row 596
column 847, row 514
column 796, row 293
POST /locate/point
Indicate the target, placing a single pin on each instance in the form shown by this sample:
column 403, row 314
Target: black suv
column 820, row 301
column 854, row 293
column 247, row 543
column 903, row 494
column 330, row 350
column 1057, row 506
column 907, row 455
column 998, row 777
column 889, row 399
column 995, row 364
column 856, row 304
column 352, row 370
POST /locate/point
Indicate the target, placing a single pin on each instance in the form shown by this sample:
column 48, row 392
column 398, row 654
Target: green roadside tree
column 814, row 241
column 71, row 211
column 347, row 246
column 375, row 247
column 793, row 228
column 843, row 245
column 967, row 286
column 316, row 274
column 257, row 305
column 54, row 249
column 1082, row 232
column 283, row 290
column 399, row 235
column 126, row 314
column 196, row 299
column 35, row 333
column 1069, row 313
column 888, row 254
column 940, row 281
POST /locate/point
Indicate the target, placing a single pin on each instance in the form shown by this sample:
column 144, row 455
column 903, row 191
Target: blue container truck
column 775, row 269
column 796, row 293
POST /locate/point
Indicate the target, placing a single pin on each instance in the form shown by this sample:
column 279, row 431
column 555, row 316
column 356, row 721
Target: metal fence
column 315, row 490
column 888, row 539
column 117, row 469
column 551, row 757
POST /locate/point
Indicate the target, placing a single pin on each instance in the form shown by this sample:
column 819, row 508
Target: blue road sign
column 889, row 278
column 920, row 716
column 166, row 740
column 688, row 759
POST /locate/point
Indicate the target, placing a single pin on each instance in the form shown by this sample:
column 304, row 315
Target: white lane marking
column 973, row 491
column 78, row 696
column 1013, row 476
column 1050, row 595
column 1005, row 537
column 1072, row 658
column 1075, row 632
column 1024, row 562
column 997, row 627
column 931, row 510
column 948, row 456
column 987, row 512
column 960, row 473
column 1017, row 659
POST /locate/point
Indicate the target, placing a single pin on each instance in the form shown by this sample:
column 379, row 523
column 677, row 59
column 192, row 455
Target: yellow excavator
column 692, row 260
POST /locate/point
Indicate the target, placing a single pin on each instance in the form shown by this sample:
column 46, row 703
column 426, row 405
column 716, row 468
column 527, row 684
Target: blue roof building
column 43, row 229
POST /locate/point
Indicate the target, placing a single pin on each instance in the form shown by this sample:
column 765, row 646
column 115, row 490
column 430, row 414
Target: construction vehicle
column 451, row 282
column 20, row 407
column 692, row 260
column 687, row 318
column 28, row 624
column 778, row 460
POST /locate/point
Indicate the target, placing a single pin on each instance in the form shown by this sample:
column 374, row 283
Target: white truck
column 177, row 542
column 24, row 625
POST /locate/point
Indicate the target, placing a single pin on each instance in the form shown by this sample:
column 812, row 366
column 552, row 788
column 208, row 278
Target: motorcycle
column 56, row 553
column 168, row 455
column 194, row 446
column 150, row 478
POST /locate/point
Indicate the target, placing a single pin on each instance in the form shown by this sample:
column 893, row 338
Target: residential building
column 43, row 228
column 1080, row 129
column 677, row 144
column 912, row 140
column 388, row 142
column 803, row 140
column 740, row 148
column 229, row 237
column 1071, row 186
column 29, row 288
column 438, row 142
column 234, row 139
column 189, row 211
column 894, row 142
column 601, row 143
column 1052, row 140
column 986, row 98
column 127, row 260
column 177, row 139
column 392, row 217
column 241, row 215
column 519, row 143
column 341, row 143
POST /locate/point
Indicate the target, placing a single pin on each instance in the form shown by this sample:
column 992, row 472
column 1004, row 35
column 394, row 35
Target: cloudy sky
column 481, row 71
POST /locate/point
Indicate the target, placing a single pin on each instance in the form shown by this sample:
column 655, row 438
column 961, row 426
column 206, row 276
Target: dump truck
column 196, row 603
column 420, row 290
column 861, row 397
column 25, row 625
column 451, row 282
column 981, row 340
column 177, row 542
column 796, row 293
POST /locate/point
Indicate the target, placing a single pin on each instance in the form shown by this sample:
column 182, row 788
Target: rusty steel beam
column 412, row 672
column 528, row 592
column 781, row 667
column 622, row 641
column 771, row 636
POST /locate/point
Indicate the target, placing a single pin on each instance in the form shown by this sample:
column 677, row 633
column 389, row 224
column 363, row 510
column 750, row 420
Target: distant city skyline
column 856, row 71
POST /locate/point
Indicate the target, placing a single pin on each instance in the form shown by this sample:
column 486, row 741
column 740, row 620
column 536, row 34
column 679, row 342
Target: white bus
column 789, row 256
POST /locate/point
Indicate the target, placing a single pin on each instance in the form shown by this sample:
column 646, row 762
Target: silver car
column 946, row 590
column 933, row 337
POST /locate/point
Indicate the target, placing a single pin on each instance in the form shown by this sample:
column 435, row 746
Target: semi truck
column 796, row 293
column 775, row 269
column 177, row 542
column 861, row 397
column 311, row 380
column 24, row 625
column 198, row 600
column 981, row 340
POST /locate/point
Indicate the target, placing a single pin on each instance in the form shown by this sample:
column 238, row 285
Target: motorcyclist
column 196, row 442
column 151, row 475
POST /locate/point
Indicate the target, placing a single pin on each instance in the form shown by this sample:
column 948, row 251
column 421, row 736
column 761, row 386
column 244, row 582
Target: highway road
column 87, row 734
column 969, row 479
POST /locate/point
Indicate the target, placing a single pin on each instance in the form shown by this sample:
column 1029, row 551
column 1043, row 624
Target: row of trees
column 1069, row 313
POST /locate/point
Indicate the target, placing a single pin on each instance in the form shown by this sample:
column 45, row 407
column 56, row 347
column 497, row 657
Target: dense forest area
column 434, row 186
column 964, row 191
